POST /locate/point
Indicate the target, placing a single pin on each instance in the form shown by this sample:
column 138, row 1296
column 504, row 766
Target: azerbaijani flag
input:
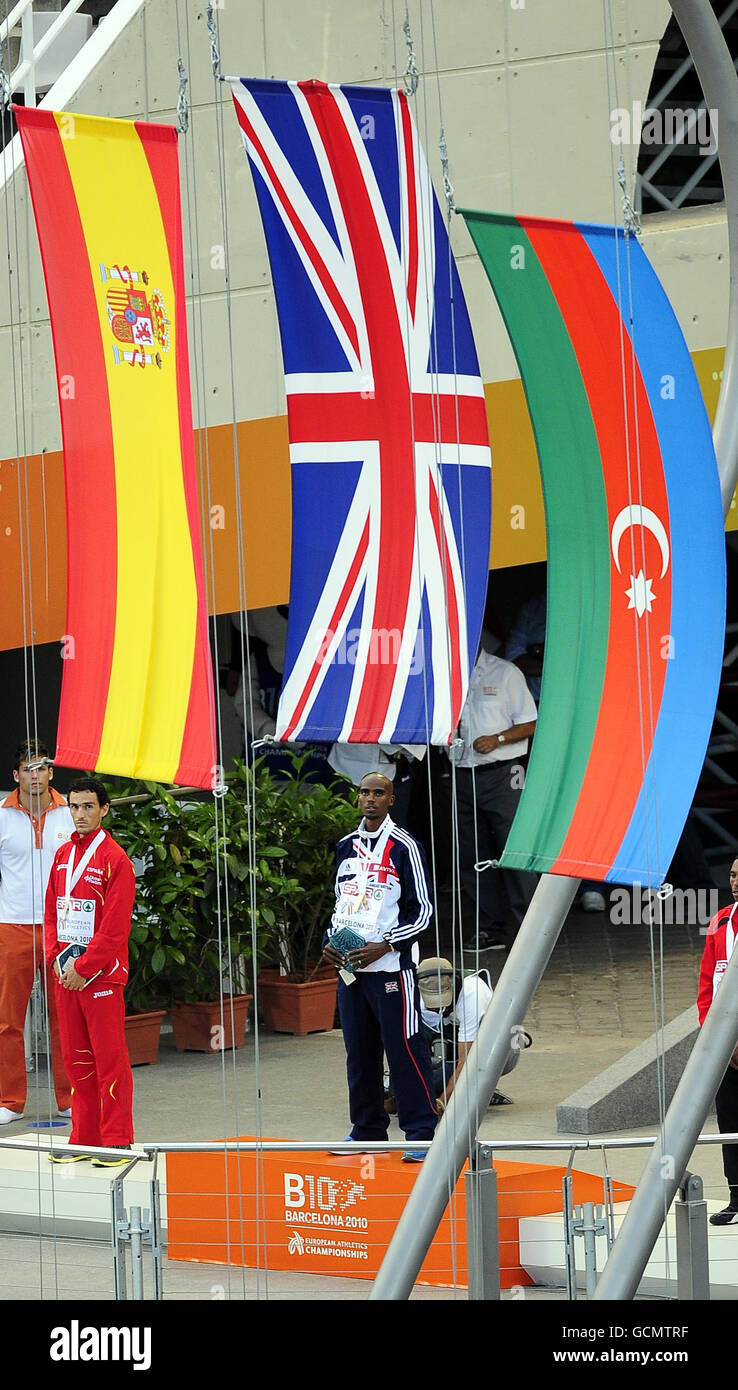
column 636, row 549
column 137, row 690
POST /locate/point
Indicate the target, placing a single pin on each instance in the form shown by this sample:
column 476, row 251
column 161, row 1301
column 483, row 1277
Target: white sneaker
column 65, row 1114
column 592, row 901
column 7, row 1116
column 351, row 1146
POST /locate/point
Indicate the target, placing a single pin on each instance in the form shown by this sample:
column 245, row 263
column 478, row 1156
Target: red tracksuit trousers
column 92, row 1029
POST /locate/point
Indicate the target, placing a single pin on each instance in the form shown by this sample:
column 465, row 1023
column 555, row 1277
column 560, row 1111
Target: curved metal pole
column 704, row 39
column 714, row 1046
column 473, row 1091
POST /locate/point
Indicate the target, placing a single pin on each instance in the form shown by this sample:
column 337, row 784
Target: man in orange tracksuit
column 89, row 899
column 34, row 824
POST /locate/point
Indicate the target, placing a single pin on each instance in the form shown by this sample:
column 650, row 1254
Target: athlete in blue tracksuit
column 382, row 894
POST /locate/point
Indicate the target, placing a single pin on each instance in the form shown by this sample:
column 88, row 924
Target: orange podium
column 329, row 1214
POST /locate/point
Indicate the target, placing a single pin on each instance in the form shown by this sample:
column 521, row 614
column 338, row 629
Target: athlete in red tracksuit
column 721, row 936
column 89, row 900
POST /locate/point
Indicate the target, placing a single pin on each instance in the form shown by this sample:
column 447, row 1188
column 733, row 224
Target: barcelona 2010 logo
column 137, row 317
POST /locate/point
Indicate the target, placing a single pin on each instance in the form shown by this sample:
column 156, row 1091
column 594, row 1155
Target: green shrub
column 226, row 885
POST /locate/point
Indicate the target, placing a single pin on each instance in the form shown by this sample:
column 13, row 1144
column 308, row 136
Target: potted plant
column 143, row 1032
column 247, row 885
column 297, row 826
column 145, row 1007
column 191, row 934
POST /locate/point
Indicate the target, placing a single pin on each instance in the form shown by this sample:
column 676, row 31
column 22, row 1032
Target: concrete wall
column 523, row 87
column 626, row 1094
column 526, row 99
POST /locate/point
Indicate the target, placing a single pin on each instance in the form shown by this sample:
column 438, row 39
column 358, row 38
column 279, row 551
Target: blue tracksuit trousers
column 380, row 1013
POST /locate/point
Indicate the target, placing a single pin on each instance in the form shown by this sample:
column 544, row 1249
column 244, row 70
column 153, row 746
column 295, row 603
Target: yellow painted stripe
column 156, row 594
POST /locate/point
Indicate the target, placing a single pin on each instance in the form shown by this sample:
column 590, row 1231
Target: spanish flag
column 137, row 690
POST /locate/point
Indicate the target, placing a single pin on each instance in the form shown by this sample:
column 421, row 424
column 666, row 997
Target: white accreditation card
column 359, row 901
column 358, row 907
column 75, row 921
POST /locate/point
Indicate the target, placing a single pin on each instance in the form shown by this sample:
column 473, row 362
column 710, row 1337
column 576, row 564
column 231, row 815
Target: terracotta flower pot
column 142, row 1037
column 197, row 1027
column 298, row 1007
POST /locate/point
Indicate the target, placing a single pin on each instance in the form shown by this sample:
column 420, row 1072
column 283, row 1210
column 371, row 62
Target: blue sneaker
column 414, row 1155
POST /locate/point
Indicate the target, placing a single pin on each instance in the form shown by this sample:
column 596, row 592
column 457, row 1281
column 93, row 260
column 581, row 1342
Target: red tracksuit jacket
column 714, row 959
column 109, row 881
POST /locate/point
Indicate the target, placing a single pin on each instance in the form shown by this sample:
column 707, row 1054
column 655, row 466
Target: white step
column 66, row 1199
column 542, row 1254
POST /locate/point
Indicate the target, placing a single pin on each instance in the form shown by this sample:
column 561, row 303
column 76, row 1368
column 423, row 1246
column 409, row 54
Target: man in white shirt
column 452, row 1008
column 355, row 760
column 34, row 823
column 524, row 648
column 497, row 720
column 452, row 1011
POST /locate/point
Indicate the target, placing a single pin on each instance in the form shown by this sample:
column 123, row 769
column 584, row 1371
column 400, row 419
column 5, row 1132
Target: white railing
column 32, row 53
column 148, row 1151
column 135, row 1230
column 81, row 66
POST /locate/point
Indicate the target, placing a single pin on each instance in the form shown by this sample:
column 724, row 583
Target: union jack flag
column 388, row 434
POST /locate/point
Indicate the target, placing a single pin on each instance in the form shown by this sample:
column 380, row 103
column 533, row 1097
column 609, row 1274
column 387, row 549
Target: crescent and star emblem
column 640, row 592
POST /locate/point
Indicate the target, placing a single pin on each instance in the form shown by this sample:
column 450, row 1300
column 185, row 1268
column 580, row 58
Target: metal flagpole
column 719, row 1034
column 553, row 897
column 473, row 1090
column 704, row 39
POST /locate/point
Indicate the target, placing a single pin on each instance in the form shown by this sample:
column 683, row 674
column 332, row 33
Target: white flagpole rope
column 411, row 81
column 198, row 374
column 473, row 1119
column 27, row 603
column 712, row 1050
column 247, row 692
column 646, row 721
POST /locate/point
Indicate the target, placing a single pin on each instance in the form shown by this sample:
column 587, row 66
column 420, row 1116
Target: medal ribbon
column 74, row 875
